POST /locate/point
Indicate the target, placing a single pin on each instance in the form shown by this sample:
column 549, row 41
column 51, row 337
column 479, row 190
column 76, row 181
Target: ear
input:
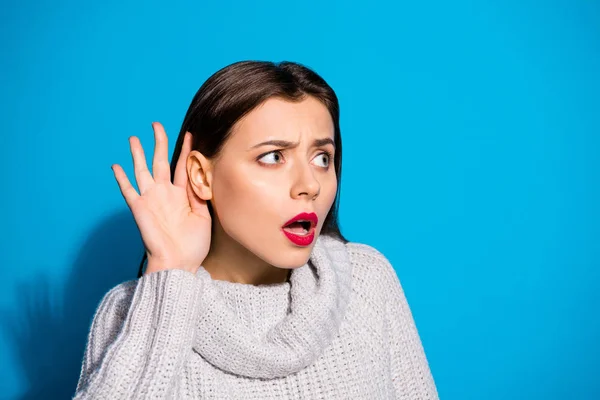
column 199, row 170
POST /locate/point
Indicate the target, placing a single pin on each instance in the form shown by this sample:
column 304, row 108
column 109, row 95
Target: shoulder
column 373, row 275
column 365, row 251
column 376, row 279
column 368, row 260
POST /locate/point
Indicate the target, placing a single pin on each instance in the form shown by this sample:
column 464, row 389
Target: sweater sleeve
column 139, row 336
column 411, row 374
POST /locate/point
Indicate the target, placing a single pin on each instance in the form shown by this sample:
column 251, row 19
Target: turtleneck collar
column 294, row 321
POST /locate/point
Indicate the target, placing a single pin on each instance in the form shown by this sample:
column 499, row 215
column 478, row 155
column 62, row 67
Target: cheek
column 330, row 187
column 245, row 204
column 251, row 207
column 327, row 197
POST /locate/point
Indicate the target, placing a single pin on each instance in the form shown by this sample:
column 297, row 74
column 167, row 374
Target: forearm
column 149, row 349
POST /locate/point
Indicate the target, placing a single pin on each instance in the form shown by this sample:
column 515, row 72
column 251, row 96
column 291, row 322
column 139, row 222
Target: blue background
column 471, row 159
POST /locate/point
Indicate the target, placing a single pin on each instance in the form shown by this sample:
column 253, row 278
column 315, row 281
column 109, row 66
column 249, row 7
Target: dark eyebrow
column 287, row 145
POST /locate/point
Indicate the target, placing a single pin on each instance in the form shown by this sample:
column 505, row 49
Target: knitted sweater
column 340, row 328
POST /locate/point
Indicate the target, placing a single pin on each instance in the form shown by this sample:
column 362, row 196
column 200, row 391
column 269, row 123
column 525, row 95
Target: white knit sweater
column 341, row 328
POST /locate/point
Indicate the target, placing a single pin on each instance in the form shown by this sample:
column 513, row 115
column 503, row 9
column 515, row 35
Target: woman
column 250, row 290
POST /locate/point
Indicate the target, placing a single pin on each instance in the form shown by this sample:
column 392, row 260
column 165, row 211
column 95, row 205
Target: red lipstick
column 300, row 230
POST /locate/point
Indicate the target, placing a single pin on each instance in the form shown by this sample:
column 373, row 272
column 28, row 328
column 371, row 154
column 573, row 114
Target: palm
column 174, row 223
column 169, row 226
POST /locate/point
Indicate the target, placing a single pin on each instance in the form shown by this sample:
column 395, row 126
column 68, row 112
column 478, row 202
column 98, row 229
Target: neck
column 228, row 260
column 274, row 331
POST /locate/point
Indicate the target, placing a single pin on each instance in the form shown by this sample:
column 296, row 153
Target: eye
column 325, row 157
column 276, row 156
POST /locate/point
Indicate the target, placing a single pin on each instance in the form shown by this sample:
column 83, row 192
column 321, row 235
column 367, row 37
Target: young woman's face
column 257, row 188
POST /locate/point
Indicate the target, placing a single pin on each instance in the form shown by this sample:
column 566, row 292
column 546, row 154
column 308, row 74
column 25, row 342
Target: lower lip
column 300, row 240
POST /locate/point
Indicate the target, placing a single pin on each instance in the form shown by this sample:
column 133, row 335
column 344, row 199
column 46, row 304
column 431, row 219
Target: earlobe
column 198, row 169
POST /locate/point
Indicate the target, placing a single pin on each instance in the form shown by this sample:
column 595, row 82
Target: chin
column 290, row 257
column 291, row 261
column 281, row 253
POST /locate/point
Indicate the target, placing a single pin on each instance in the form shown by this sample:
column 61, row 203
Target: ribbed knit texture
column 341, row 328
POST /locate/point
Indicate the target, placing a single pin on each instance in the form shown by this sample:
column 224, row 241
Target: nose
column 305, row 183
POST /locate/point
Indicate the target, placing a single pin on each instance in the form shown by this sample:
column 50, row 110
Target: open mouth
column 300, row 228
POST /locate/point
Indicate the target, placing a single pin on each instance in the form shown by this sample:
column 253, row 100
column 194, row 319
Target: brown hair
column 237, row 89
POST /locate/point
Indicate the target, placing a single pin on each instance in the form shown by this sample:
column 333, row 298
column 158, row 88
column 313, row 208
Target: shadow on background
column 50, row 330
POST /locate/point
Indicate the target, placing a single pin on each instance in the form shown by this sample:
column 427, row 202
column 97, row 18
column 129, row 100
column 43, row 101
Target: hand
column 174, row 222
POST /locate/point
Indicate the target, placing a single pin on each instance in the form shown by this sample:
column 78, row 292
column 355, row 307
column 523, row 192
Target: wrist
column 162, row 265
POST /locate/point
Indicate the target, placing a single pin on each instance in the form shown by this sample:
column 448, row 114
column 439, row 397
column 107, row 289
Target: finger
column 181, row 168
column 127, row 190
column 142, row 175
column 160, row 162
